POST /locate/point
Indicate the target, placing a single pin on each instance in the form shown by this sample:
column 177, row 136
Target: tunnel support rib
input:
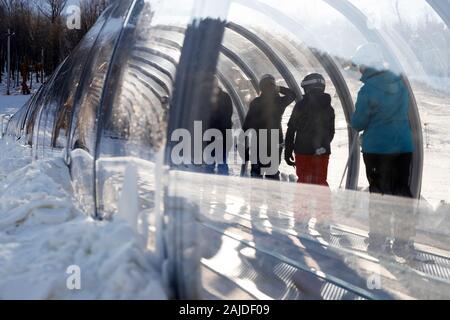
column 271, row 54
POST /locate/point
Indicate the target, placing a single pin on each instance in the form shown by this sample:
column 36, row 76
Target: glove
column 321, row 151
column 289, row 158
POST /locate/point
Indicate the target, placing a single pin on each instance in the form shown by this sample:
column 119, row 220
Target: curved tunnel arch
column 247, row 70
column 240, row 106
column 242, row 65
column 327, row 63
column 102, row 111
column 270, row 53
column 442, row 8
column 76, row 108
column 333, row 71
column 323, row 58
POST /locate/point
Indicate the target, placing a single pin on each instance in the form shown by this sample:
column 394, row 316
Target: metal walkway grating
column 426, row 262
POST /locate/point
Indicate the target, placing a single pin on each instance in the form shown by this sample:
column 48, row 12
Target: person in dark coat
column 310, row 132
column 265, row 113
column 221, row 119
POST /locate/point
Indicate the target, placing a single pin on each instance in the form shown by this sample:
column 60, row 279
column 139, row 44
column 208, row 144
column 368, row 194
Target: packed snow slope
column 42, row 234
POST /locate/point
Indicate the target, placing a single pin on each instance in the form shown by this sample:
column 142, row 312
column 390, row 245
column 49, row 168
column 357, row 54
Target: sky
column 377, row 10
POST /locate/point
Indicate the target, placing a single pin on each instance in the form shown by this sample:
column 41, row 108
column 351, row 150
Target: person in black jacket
column 266, row 112
column 310, row 132
column 221, row 119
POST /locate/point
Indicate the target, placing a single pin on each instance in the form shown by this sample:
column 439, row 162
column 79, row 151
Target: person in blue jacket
column 382, row 114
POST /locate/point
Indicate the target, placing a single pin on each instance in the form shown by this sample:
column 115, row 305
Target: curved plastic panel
column 84, row 124
column 52, row 114
column 35, row 117
column 132, row 122
column 55, row 116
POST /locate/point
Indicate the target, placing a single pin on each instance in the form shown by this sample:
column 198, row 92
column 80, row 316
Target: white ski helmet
column 369, row 55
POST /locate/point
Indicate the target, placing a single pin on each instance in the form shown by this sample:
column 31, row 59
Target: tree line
column 41, row 38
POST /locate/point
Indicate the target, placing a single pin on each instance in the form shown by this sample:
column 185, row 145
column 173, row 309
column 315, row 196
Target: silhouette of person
column 220, row 119
column 310, row 132
column 265, row 113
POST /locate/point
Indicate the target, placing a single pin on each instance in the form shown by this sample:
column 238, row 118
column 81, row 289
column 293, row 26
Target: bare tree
column 41, row 39
column 7, row 4
column 52, row 9
column 90, row 11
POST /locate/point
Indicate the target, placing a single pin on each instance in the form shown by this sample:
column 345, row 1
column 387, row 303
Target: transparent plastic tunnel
column 145, row 72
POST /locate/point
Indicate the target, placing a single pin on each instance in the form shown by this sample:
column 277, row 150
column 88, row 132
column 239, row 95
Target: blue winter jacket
column 382, row 113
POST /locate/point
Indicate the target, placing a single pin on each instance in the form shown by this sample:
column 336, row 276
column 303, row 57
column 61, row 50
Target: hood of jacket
column 385, row 81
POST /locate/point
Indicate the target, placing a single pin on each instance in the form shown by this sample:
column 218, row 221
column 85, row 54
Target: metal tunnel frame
column 238, row 103
column 244, row 67
column 336, row 77
column 324, row 59
column 240, row 106
column 271, row 54
column 338, row 81
column 442, row 8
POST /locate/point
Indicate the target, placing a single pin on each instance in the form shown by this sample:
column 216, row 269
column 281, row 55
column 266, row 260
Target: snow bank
column 10, row 104
column 42, row 234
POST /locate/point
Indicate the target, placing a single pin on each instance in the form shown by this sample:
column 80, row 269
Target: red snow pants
column 312, row 169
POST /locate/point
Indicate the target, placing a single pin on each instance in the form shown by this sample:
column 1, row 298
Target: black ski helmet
column 314, row 81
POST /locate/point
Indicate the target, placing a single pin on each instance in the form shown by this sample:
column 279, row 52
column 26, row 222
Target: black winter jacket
column 221, row 113
column 312, row 125
column 267, row 112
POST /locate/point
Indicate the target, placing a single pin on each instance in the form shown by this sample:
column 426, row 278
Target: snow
column 43, row 233
column 12, row 103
